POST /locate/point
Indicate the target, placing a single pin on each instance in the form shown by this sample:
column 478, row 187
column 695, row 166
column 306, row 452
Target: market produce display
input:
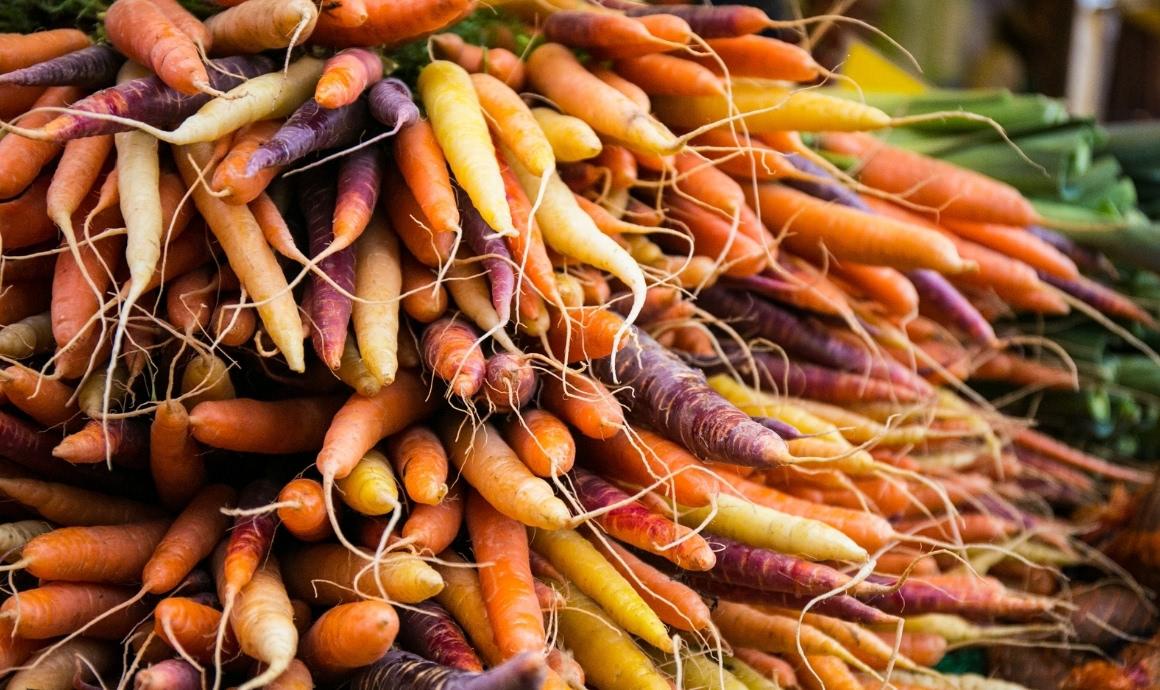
column 545, row 344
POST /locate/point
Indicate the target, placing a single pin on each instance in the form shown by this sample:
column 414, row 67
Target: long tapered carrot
column 143, row 32
column 424, row 167
column 105, row 554
column 25, row 50
column 50, row 402
column 584, row 403
column 22, row 159
column 674, row 603
column 378, row 281
column 1017, row 244
column 667, row 75
column 59, row 608
column 68, row 505
column 390, row 22
column 250, row 256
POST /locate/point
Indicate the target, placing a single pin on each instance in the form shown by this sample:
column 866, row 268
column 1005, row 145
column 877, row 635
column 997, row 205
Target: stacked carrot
column 316, row 382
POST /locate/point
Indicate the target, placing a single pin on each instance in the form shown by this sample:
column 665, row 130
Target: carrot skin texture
column 90, row 552
column 405, row 670
column 508, row 382
column 43, row 614
column 150, row 101
column 170, row 674
column 311, row 128
column 495, row 257
column 330, row 310
column 159, row 44
column 327, row 647
column 451, row 350
column 346, row 75
column 941, row 300
column 93, row 67
column 360, row 178
column 432, row 633
column 253, row 426
column 390, row 22
column 24, row 50
column 673, row 397
column 392, row 104
column 190, row 539
column 419, row 459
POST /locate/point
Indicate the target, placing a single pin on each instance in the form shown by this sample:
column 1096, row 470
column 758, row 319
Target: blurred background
column 1101, row 56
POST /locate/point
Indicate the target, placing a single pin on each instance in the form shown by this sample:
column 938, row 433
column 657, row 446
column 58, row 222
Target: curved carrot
column 584, row 403
column 142, row 31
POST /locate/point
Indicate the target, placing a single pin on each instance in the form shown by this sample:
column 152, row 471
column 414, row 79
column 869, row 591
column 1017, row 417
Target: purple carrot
column 89, row 68
column 829, row 190
column 494, row 253
column 779, row 427
column 429, row 631
column 840, row 606
column 150, row 101
column 360, row 177
column 971, row 597
column 508, row 382
column 673, row 398
column 392, row 104
column 634, row 524
column 813, row 381
column 310, row 128
column 405, row 670
column 1102, row 297
column 330, row 309
column 770, row 571
column 941, row 301
column 1088, row 261
column 171, row 674
column 754, row 317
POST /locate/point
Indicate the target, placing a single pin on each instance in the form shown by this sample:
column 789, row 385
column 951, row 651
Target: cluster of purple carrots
column 563, row 366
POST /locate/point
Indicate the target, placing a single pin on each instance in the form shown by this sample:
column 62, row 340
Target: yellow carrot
column 370, row 488
column 608, row 655
column 378, row 281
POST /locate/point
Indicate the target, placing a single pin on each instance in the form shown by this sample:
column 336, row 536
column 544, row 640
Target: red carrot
column 429, row 631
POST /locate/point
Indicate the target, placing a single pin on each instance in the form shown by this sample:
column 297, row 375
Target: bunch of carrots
column 572, row 362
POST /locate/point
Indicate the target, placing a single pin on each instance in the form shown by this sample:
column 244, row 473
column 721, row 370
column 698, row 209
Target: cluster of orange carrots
column 312, row 381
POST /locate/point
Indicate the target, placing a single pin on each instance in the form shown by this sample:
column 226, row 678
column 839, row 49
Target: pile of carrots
column 573, row 362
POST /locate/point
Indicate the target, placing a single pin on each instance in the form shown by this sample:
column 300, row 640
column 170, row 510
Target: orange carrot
column 105, row 554
column 24, row 50
column 423, row 237
column 348, row 636
column 143, row 32
column 885, row 286
column 630, row 90
column 451, row 349
column 715, row 237
column 59, row 608
column 230, row 174
column 191, row 627
column 423, row 166
column 542, row 442
column 68, row 505
column 48, row 401
column 16, row 100
column 419, row 458
column 303, row 510
column 499, row 62
column 259, row 426
column 501, row 544
column 527, row 245
column 424, row 298
column 943, row 188
column 390, row 22
column 1017, row 244
column 583, row 334
column 24, row 221
column 190, row 539
column 674, row 603
column 761, row 57
column 346, row 75
column 584, row 403
column 430, row 527
column 21, row 159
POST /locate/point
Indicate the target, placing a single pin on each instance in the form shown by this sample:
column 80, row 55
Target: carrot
column 495, row 257
column 422, row 163
column 772, row 667
column 514, row 124
column 659, row 378
column 768, row 107
column 27, row 337
column 57, row 668
column 169, row 674
column 346, row 75
column 240, row 236
column 508, row 383
column 25, row 158
column 607, row 653
column 451, row 349
column 46, row 400
column 144, row 32
column 263, row 621
column 762, row 57
column 969, row 596
column 493, row 468
column 607, row 34
column 584, row 403
column 398, row 669
column 106, row 554
column 206, row 378
column 371, row 487
column 347, row 13
column 571, row 138
column 67, row 505
column 253, row 27
column 1017, row 244
column 58, row 608
column 454, row 109
column 834, row 673
column 390, row 22
column 1101, row 297
column 18, row 51
column 463, row 599
column 359, row 180
column 14, row 535
column 420, row 460
column 328, row 574
column 739, row 155
column 527, row 245
column 554, row 72
column 634, row 524
column 303, row 510
column 716, row 237
column 190, row 539
column 17, row 100
column 25, row 219
column 79, row 168
column 230, row 175
column 122, row 441
column 941, row 187
column 583, row 565
column 745, row 626
column 624, row 86
column 542, row 442
column 674, row 603
column 1045, row 445
column 349, row 636
column 253, row 426
column 506, row 580
column 721, row 21
column 190, row 626
column 362, row 422
column 429, row 630
column 668, row 75
column 570, row 231
column 498, row 62
column 817, row 382
column 190, row 301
